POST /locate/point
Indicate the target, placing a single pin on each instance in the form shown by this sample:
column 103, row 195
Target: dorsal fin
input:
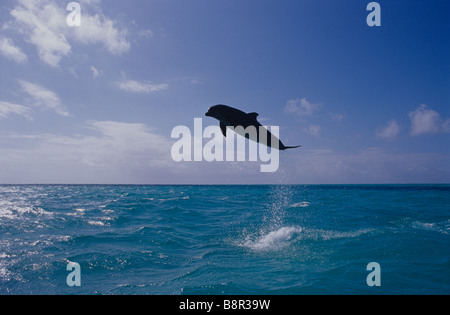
column 253, row 115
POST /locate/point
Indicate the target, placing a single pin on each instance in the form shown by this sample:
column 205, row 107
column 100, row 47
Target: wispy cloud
column 390, row 131
column 100, row 29
column 146, row 33
column 9, row 50
column 313, row 130
column 101, row 152
column 301, row 107
column 141, row 87
column 7, row 108
column 43, row 98
column 424, row 120
column 43, row 24
column 336, row 117
column 95, row 73
column 41, row 21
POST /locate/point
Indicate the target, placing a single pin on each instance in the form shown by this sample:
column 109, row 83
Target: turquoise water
column 225, row 239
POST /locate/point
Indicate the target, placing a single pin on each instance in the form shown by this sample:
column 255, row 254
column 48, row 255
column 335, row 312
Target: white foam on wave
column 78, row 212
column 319, row 234
column 13, row 210
column 4, row 273
column 439, row 227
column 302, row 204
column 96, row 223
column 273, row 240
column 174, row 198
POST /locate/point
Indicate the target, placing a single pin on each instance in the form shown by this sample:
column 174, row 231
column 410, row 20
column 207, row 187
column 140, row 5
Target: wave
column 173, row 198
column 97, row 223
column 302, row 204
column 13, row 210
column 438, row 227
column 331, row 235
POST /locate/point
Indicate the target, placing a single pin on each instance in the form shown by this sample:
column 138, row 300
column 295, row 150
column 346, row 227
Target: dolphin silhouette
column 232, row 117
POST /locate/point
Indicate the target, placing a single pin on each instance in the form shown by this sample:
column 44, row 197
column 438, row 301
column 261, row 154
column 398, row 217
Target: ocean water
column 225, row 239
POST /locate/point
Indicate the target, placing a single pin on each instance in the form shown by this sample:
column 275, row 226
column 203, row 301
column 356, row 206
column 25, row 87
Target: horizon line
column 317, row 184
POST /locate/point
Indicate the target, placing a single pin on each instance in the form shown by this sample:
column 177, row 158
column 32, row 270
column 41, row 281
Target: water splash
column 274, row 234
column 274, row 240
column 279, row 201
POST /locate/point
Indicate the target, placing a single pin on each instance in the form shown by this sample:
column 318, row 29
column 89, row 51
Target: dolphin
column 232, row 117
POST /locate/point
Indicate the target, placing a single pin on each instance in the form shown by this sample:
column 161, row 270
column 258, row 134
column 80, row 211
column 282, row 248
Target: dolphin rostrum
column 232, row 117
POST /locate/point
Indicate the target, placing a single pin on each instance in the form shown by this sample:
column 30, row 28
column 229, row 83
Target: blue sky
column 97, row 103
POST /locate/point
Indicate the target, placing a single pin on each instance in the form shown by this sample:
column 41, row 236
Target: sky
column 97, row 103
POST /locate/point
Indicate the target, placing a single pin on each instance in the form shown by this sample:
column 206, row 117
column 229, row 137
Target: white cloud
column 119, row 153
column 336, row 117
column 8, row 108
column 141, row 87
column 301, row 107
column 132, row 136
column 446, row 126
column 95, row 72
column 146, row 33
column 44, row 24
column 390, row 131
column 105, row 152
column 313, row 130
column 427, row 121
column 94, row 3
column 9, row 50
column 115, row 143
column 43, row 98
column 100, row 29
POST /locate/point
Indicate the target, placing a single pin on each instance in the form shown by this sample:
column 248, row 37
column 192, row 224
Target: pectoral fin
column 224, row 129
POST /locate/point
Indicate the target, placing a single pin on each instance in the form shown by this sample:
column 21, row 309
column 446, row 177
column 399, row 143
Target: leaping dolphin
column 232, row 117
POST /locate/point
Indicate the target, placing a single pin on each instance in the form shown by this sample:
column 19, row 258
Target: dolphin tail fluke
column 293, row 147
